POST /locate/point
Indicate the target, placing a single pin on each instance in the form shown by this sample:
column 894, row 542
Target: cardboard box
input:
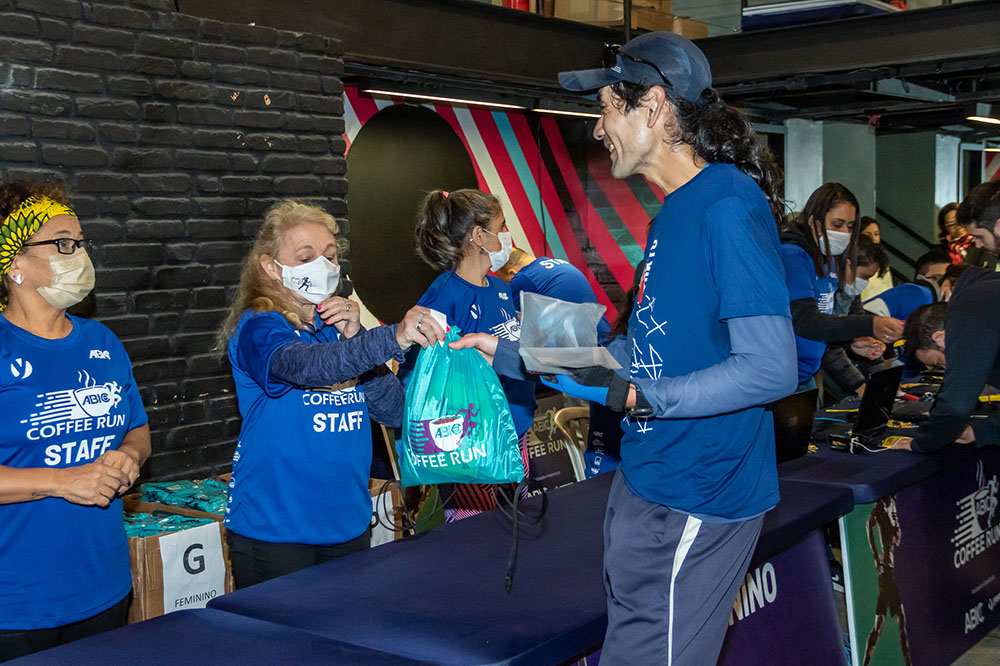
column 652, row 20
column 597, row 12
column 690, row 28
column 648, row 15
column 655, row 5
column 177, row 570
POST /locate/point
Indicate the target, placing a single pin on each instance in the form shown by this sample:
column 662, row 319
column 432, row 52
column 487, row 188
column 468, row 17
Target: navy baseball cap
column 653, row 59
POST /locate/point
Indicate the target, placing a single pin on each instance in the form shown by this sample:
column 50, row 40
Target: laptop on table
column 874, row 412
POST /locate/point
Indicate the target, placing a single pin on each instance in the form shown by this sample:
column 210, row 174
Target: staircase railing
column 904, row 228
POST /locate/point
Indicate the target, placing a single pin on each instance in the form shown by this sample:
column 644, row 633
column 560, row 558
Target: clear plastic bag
column 558, row 335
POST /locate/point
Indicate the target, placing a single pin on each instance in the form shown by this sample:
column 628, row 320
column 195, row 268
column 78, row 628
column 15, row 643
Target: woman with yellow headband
column 72, row 438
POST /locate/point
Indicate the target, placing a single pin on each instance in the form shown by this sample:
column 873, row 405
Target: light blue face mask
column 499, row 258
column 856, row 288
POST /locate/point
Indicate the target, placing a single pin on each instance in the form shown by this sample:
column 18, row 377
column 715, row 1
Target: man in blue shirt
column 554, row 278
column 927, row 287
column 560, row 279
column 709, row 344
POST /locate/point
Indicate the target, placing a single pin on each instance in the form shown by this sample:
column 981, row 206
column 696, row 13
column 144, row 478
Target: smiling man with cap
column 709, row 345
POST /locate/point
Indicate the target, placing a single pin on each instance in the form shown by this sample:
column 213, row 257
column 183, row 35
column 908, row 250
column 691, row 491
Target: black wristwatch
column 642, row 409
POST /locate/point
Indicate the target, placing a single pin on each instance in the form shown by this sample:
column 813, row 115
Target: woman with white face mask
column 308, row 376
column 73, row 439
column 463, row 234
column 810, row 248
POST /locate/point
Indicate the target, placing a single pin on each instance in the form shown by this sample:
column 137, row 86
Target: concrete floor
column 986, row 652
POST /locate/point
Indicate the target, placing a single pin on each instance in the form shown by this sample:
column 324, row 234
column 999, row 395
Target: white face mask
column 72, row 279
column 839, row 240
column 500, row 258
column 314, row 281
column 856, row 288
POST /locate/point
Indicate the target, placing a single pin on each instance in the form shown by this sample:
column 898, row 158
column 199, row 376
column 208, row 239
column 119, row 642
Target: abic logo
column 444, row 434
column 977, row 511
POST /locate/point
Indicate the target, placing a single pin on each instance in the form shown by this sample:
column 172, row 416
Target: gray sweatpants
column 671, row 580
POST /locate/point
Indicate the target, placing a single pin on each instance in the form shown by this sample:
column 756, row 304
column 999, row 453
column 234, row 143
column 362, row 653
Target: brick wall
column 173, row 135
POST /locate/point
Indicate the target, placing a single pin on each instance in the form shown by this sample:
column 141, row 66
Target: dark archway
column 399, row 155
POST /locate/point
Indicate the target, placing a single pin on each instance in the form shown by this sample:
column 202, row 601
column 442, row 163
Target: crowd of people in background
column 758, row 307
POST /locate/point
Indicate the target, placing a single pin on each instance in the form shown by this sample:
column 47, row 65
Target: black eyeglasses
column 65, row 245
column 610, row 58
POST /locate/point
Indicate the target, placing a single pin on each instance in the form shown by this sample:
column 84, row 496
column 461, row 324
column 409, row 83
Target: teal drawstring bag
column 457, row 426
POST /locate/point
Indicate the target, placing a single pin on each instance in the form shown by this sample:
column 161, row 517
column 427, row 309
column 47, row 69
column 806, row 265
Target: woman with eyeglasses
column 73, row 439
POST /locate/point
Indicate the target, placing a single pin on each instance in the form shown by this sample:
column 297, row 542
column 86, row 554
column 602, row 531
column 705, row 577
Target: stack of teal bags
column 151, row 524
column 209, row 495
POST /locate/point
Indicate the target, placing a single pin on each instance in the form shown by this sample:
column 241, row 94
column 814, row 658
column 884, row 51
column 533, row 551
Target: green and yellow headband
column 22, row 224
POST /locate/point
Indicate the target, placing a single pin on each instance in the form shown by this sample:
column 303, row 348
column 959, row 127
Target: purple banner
column 945, row 559
column 786, row 613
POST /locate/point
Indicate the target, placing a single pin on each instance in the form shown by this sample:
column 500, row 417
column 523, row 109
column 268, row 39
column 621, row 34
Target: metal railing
column 904, row 228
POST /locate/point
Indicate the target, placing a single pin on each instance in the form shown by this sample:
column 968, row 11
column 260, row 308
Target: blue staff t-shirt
column 303, row 458
column 65, row 403
column 904, row 299
column 802, row 281
column 712, row 255
column 488, row 309
column 560, row 279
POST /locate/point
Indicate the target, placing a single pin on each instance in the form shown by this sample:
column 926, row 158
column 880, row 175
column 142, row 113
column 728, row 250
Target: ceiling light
column 579, row 114
column 450, row 100
column 984, row 113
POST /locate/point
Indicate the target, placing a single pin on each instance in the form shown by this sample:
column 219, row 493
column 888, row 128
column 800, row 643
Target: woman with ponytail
column 463, row 234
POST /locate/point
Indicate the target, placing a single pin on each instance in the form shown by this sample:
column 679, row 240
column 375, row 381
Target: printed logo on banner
column 194, row 571
column 976, row 517
column 760, row 587
column 438, row 442
column 552, row 463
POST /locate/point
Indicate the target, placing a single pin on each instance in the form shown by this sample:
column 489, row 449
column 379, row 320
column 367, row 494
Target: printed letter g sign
column 197, row 560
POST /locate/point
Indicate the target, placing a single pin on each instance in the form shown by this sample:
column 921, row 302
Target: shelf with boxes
column 647, row 15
